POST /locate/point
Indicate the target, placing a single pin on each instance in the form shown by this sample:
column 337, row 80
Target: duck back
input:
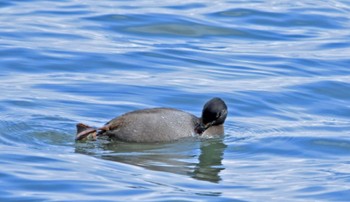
column 152, row 125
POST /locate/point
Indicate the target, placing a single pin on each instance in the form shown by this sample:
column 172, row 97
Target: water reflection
column 210, row 161
column 199, row 159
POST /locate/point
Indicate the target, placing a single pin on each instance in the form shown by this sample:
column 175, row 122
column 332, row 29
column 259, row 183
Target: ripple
column 187, row 6
column 285, row 19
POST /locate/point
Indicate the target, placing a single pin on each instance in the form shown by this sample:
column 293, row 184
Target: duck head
column 214, row 113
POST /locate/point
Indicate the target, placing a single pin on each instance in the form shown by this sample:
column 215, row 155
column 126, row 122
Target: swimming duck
column 161, row 124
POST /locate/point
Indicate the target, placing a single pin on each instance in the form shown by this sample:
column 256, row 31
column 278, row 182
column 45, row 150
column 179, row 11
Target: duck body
column 151, row 125
column 162, row 124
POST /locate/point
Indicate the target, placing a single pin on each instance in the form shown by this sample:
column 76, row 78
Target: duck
column 160, row 124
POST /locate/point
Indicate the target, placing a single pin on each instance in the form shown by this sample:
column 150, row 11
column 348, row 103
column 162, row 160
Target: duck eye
column 218, row 114
column 222, row 112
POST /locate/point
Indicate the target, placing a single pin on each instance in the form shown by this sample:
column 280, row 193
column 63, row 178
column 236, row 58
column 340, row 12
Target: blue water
column 283, row 68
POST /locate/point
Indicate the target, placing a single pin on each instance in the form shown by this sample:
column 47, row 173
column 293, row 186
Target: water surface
column 282, row 68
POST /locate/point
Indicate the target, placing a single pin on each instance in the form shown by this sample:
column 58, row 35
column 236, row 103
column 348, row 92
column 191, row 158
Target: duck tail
column 85, row 132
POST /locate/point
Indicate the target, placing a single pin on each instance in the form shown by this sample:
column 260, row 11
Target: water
column 281, row 66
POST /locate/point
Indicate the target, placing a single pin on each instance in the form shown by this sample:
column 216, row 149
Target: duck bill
column 200, row 128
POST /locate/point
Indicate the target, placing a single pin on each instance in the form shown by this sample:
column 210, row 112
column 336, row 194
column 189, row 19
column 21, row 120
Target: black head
column 214, row 113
